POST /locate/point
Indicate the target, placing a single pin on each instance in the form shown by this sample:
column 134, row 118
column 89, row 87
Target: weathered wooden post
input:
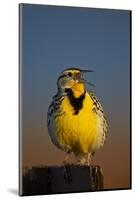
column 62, row 179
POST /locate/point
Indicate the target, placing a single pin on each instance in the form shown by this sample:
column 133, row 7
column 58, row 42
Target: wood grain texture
column 61, row 179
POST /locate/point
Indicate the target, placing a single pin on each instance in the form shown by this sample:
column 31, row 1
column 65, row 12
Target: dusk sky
column 55, row 38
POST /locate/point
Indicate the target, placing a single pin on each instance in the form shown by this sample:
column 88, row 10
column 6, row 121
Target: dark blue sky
column 55, row 38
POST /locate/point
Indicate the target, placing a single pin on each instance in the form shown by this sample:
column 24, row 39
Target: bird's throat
column 76, row 102
column 78, row 89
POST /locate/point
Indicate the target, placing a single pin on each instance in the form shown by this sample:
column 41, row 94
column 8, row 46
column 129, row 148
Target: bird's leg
column 67, row 170
column 89, row 159
column 66, row 158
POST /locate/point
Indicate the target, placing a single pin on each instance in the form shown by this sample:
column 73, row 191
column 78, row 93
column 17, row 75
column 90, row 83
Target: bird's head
column 72, row 78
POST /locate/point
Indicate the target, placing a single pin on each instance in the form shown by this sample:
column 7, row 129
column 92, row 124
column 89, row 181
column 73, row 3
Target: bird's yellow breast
column 77, row 131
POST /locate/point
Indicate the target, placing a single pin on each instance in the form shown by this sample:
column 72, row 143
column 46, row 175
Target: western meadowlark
column 76, row 121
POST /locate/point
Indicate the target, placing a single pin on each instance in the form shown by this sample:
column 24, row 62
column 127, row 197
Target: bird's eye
column 69, row 74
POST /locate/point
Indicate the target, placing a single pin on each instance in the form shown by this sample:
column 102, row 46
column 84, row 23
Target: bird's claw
column 67, row 173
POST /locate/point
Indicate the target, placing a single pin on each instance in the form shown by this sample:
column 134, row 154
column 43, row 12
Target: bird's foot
column 67, row 170
column 67, row 173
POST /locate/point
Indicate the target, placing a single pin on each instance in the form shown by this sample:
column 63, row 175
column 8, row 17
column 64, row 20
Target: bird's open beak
column 84, row 80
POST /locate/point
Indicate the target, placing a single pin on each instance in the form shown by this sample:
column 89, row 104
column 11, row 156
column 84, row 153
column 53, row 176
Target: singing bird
column 75, row 119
